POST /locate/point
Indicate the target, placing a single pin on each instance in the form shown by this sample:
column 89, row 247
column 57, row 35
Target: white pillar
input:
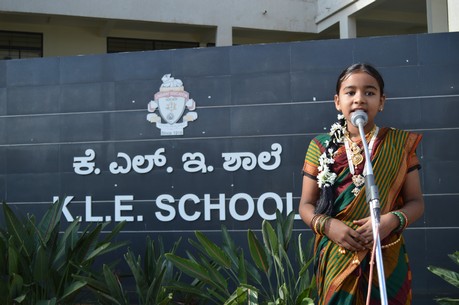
column 437, row 16
column 347, row 27
column 453, row 15
column 224, row 35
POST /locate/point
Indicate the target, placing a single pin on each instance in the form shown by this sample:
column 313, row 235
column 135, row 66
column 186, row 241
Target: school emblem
column 172, row 103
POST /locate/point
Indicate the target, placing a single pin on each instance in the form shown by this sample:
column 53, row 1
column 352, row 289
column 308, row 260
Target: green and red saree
column 342, row 279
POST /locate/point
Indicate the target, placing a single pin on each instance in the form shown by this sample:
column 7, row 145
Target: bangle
column 313, row 223
column 318, row 223
column 323, row 224
column 403, row 221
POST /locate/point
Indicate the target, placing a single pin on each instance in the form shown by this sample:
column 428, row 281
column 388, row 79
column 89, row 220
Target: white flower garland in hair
column 326, row 177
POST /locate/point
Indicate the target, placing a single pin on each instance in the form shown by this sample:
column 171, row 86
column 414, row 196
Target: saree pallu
column 342, row 279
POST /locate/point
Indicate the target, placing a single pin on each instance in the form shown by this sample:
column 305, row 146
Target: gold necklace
column 354, row 156
column 356, row 150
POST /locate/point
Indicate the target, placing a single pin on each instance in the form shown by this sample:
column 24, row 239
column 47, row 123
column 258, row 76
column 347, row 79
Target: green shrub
column 216, row 269
column 450, row 277
column 150, row 276
column 38, row 263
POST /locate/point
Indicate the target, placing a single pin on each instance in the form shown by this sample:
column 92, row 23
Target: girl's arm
column 336, row 230
column 309, row 196
column 413, row 209
column 413, row 206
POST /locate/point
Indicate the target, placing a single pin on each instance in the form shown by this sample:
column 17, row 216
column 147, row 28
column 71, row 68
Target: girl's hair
column 325, row 203
column 360, row 67
column 327, row 195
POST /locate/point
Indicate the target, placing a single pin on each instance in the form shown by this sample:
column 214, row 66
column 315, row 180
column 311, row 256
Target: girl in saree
column 333, row 202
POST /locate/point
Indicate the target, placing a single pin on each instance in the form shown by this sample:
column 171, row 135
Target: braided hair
column 325, row 203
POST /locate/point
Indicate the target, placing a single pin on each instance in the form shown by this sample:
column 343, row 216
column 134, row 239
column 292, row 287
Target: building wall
column 69, row 40
column 64, row 40
column 168, row 20
column 221, row 23
column 295, row 15
column 453, row 15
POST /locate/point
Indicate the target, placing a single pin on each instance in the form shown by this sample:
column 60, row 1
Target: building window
column 15, row 45
column 115, row 45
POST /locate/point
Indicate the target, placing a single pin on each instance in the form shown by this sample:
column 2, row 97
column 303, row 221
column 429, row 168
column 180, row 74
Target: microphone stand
column 372, row 195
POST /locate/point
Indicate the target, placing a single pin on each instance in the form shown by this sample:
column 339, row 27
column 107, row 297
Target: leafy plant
column 450, row 277
column 244, row 294
column 216, row 269
column 38, row 263
column 150, row 278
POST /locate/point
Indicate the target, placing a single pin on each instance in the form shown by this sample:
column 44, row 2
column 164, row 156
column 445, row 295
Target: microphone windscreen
column 359, row 116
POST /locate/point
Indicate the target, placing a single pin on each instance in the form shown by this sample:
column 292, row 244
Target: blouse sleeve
column 413, row 160
column 311, row 162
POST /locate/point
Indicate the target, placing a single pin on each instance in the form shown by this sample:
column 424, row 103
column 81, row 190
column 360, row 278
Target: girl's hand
column 387, row 223
column 365, row 228
column 344, row 236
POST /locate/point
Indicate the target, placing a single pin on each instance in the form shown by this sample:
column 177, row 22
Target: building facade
column 64, row 27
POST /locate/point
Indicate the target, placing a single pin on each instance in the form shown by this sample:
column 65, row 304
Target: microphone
column 359, row 117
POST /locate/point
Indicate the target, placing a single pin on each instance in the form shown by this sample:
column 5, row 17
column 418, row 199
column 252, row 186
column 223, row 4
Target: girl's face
column 359, row 91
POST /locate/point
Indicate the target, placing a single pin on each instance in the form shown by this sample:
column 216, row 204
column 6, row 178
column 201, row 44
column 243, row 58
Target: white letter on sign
column 119, row 207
